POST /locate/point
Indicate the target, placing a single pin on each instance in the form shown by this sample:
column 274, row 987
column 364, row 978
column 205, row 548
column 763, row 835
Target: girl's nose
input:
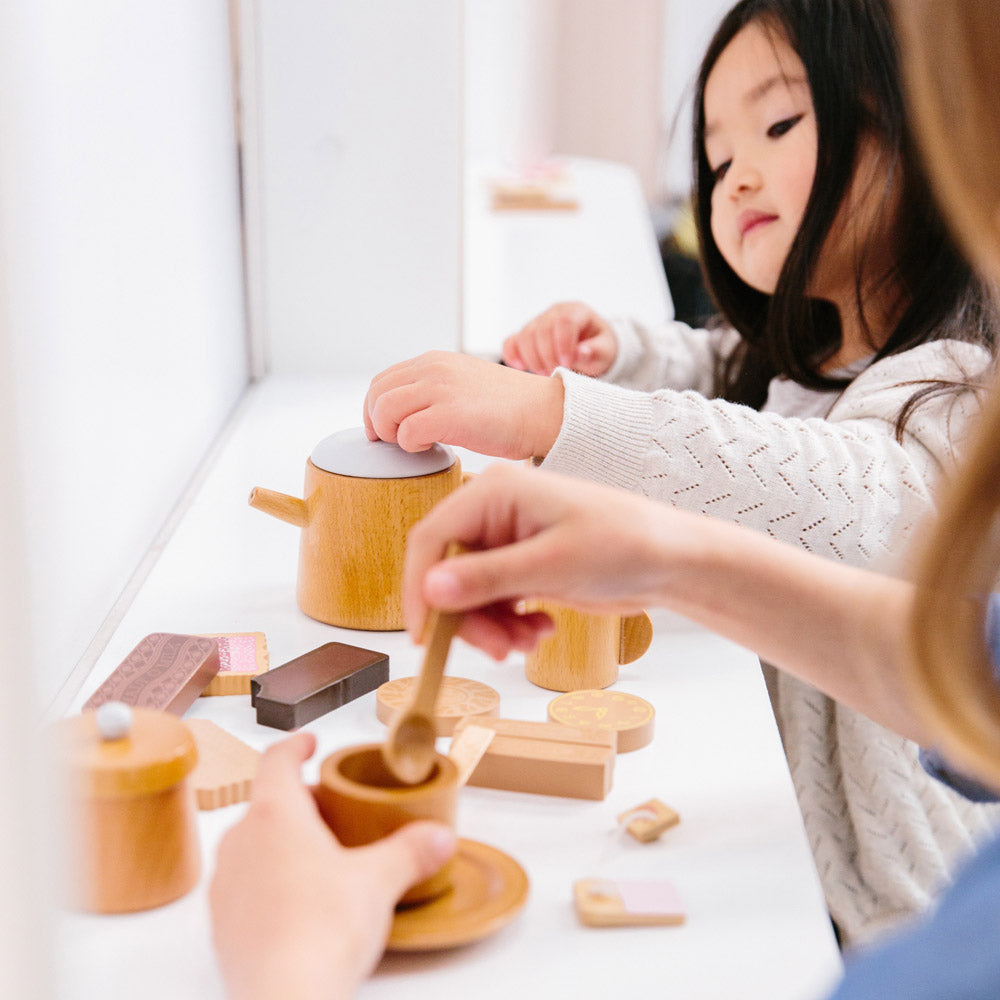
column 743, row 178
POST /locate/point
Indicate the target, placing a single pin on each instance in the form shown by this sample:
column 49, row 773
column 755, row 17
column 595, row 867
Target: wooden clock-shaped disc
column 457, row 698
column 627, row 714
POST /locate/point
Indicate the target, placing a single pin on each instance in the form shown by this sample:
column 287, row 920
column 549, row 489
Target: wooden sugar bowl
column 586, row 649
column 361, row 499
column 134, row 841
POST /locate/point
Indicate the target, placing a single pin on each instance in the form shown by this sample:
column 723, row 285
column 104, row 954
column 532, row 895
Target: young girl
column 822, row 413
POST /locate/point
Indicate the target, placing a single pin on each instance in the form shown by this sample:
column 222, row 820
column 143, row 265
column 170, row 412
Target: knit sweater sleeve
column 843, row 486
column 670, row 355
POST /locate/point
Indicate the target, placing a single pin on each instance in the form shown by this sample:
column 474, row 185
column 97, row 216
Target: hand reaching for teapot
column 465, row 401
column 570, row 335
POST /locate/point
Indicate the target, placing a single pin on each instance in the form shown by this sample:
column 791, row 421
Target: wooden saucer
column 489, row 890
column 630, row 716
column 457, row 698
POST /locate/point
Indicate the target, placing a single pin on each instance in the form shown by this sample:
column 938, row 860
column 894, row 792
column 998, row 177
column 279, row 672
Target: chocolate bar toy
column 315, row 683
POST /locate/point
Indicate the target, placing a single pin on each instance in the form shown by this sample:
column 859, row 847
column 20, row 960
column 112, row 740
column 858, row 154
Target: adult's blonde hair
column 951, row 52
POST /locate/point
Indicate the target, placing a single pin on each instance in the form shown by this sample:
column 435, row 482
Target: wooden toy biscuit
column 242, row 656
column 165, row 671
column 606, row 903
column 545, row 758
column 648, row 820
column 457, row 698
column 627, row 714
column 316, row 683
column 226, row 766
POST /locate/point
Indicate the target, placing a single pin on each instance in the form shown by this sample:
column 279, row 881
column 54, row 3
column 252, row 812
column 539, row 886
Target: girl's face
column 760, row 142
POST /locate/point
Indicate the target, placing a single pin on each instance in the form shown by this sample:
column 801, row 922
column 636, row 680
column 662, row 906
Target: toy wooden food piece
column 316, row 683
column 648, row 820
column 458, row 697
column 628, row 715
column 546, row 758
column 226, row 766
column 165, row 671
column 609, row 903
column 131, row 803
column 242, row 656
column 409, row 746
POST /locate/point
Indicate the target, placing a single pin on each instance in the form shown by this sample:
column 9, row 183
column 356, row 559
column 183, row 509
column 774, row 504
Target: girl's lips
column 752, row 219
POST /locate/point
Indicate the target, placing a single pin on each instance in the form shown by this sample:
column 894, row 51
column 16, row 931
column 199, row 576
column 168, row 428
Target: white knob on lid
column 114, row 720
column 350, row 453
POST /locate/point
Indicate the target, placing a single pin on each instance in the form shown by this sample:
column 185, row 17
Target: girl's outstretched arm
column 540, row 535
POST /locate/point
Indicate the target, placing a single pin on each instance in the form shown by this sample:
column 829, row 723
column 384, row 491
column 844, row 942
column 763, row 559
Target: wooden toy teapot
column 361, row 499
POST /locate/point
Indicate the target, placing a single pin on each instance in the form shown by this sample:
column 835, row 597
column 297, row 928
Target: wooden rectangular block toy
column 315, row 683
column 546, row 758
column 242, row 656
column 166, row 671
column 649, row 819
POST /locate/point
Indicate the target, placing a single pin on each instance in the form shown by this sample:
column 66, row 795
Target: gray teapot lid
column 350, row 453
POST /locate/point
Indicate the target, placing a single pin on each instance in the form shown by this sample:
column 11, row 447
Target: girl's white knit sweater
column 823, row 470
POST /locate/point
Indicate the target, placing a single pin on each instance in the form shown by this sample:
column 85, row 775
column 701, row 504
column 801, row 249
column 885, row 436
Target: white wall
column 358, row 164
column 122, row 287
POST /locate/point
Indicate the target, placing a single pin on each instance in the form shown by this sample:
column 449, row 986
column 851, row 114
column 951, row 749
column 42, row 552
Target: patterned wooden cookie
column 457, row 698
column 242, row 656
column 226, row 766
column 165, row 671
column 628, row 715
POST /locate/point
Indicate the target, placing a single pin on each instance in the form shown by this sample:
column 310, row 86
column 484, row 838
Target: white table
column 757, row 926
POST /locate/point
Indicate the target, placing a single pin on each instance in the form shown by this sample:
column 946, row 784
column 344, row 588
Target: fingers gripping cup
column 362, row 801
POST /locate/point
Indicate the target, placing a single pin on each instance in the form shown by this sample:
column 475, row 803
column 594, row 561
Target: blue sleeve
column 934, row 764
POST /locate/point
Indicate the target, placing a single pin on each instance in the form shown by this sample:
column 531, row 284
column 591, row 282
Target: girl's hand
column 545, row 536
column 293, row 912
column 465, row 401
column 570, row 335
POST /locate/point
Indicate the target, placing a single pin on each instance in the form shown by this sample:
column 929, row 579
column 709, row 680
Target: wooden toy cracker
column 242, row 656
column 165, row 671
column 648, row 820
column 316, row 683
column 608, row 903
column 545, row 758
column 457, row 698
column 627, row 714
column 226, row 766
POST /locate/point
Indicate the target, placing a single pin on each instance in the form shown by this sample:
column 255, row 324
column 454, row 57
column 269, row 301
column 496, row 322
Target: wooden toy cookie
column 242, row 656
column 648, row 820
column 627, row 714
column 165, row 671
column 226, row 766
column 604, row 902
column 457, row 698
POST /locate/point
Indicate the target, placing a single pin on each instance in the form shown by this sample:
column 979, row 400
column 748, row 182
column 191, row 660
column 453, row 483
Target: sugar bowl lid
column 120, row 751
column 350, row 453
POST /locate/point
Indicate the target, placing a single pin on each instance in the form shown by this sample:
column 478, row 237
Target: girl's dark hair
column 851, row 59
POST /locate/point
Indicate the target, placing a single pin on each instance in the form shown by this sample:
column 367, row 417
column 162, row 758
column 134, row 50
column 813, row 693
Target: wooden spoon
column 409, row 746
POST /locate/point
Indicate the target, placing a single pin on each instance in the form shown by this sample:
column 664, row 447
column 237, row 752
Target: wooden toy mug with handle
column 361, row 499
column 586, row 649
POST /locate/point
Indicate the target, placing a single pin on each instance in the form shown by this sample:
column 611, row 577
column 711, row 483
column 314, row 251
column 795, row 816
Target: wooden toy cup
column 362, row 801
column 586, row 649
column 131, row 808
column 361, row 499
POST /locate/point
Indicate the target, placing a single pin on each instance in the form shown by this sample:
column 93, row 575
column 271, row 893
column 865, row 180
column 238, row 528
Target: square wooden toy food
column 315, row 683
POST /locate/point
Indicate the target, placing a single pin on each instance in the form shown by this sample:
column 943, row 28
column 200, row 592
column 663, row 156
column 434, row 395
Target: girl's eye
column 778, row 129
column 720, row 171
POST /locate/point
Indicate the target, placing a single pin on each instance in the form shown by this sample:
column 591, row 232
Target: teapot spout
column 290, row 509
